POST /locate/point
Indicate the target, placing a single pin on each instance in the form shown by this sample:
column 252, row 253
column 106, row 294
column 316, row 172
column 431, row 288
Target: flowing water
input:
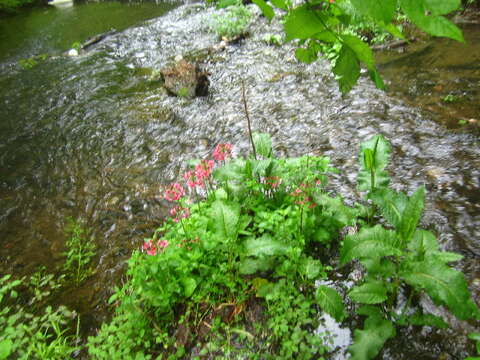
column 95, row 137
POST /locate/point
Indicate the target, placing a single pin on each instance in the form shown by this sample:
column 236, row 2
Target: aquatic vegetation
column 80, row 251
column 236, row 266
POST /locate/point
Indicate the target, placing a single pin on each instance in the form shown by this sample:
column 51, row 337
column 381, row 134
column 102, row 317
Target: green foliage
column 80, row 251
column 233, row 22
column 404, row 257
column 476, row 337
column 341, row 29
column 26, row 335
column 33, row 61
column 10, row 6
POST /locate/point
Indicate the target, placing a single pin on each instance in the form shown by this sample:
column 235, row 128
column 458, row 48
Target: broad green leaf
column 331, row 302
column 383, row 267
column 373, row 243
column 374, row 156
column 249, row 266
column 267, row 10
column 312, row 268
column 347, row 69
column 423, row 242
column 443, row 284
column 377, row 79
column 325, row 36
column 427, row 319
column 368, row 342
column 222, row 4
column 445, row 256
column 361, row 50
column 411, row 214
column 189, row 286
column 264, row 245
column 281, row 4
column 306, row 56
column 303, row 22
column 433, row 24
column 6, row 346
column 391, row 204
column 394, row 30
column 369, row 293
column 441, row 7
column 334, row 206
column 379, row 10
column 225, row 218
column 263, row 144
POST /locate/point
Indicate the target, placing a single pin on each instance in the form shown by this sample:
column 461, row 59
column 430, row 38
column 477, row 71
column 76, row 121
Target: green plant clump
column 80, row 251
column 233, row 23
column 233, row 272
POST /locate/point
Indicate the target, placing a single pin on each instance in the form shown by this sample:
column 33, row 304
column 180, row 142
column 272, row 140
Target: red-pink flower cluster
column 204, row 169
column 179, row 213
column 222, row 151
column 151, row 248
column 273, row 181
column 192, row 179
column 174, row 192
column 303, row 196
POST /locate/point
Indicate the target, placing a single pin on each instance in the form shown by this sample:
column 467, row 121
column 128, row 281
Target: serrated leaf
column 263, row 144
column 371, row 243
column 347, row 69
column 267, row 10
column 380, row 10
column 443, row 284
column 303, row 22
column 225, row 218
column 331, row 302
column 411, row 214
column 391, row 204
column 382, row 266
column 423, row 242
column 264, row 245
column 369, row 293
column 368, row 342
column 361, row 50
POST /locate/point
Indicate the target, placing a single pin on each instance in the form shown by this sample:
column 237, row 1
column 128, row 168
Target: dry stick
column 248, row 120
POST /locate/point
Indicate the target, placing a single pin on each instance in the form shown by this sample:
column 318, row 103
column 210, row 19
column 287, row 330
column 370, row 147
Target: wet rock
column 185, row 79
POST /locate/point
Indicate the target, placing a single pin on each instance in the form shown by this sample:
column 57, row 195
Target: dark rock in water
column 97, row 38
column 186, row 80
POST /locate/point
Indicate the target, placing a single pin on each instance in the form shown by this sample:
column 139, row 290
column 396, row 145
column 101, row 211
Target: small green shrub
column 80, row 250
column 232, row 23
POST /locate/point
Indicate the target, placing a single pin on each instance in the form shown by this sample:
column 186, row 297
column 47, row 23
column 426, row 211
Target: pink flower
column 192, row 179
column 204, row 169
column 174, row 192
column 179, row 213
column 273, row 181
column 222, row 151
column 162, row 244
column 149, row 247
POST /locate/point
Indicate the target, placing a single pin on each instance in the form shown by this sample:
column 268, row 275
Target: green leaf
column 264, row 245
column 6, row 346
column 331, row 302
column 391, row 204
column 347, row 69
column 379, row 10
column 377, row 79
column 443, row 284
column 368, row 342
column 189, row 286
column 225, row 218
column 281, row 4
column 267, row 10
column 249, row 266
column 394, row 30
column 411, row 214
column 361, row 50
column 423, row 242
column 263, row 144
column 312, row 268
column 371, row 243
column 374, row 157
column 442, row 7
column 306, row 56
column 369, row 293
column 226, row 3
column 433, row 24
column 334, row 206
column 302, row 23
column 428, row 320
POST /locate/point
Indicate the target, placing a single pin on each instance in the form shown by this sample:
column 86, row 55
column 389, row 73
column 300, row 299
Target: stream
column 95, row 136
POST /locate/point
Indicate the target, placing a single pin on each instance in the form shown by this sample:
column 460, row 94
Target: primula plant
column 239, row 269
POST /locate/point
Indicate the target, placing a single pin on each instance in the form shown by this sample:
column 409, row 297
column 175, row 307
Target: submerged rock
column 185, row 79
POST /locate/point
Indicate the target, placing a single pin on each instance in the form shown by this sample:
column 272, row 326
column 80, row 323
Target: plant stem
column 248, row 120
